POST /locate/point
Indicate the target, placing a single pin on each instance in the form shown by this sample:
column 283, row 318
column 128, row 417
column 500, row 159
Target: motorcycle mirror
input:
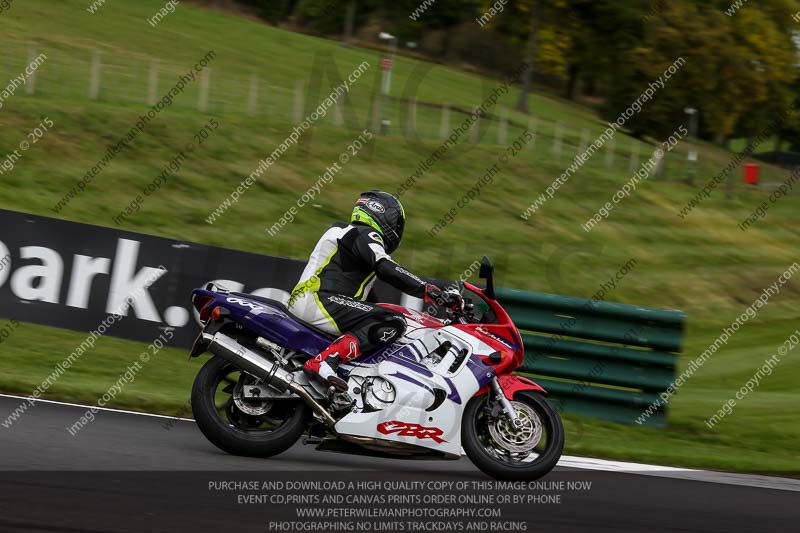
column 487, row 273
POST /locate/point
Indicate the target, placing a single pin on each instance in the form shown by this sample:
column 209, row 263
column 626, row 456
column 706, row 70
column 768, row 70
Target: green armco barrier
column 587, row 319
column 600, row 359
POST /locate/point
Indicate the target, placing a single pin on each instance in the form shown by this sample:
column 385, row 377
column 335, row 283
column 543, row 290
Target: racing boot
column 323, row 367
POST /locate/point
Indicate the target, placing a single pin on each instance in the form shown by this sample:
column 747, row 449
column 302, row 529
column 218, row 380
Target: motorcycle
column 444, row 386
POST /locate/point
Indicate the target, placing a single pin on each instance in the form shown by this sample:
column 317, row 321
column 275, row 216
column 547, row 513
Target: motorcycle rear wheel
column 508, row 454
column 269, row 429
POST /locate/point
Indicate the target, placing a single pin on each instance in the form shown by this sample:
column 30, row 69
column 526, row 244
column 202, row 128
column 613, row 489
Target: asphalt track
column 130, row 473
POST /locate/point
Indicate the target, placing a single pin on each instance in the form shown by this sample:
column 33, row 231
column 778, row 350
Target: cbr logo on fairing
column 404, row 429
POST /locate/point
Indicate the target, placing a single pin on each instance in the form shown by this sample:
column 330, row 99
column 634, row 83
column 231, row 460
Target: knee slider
column 387, row 330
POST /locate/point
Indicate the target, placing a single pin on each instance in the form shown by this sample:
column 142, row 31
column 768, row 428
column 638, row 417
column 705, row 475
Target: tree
column 738, row 70
column 350, row 22
column 527, row 74
column 600, row 32
column 273, row 10
column 535, row 29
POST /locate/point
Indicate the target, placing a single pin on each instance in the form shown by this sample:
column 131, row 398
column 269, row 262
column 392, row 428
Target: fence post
column 202, row 99
column 634, row 161
column 444, row 126
column 377, row 113
column 584, row 141
column 502, row 129
column 610, row 153
column 559, row 132
column 94, row 76
column 30, row 82
column 59, row 79
column 661, row 163
column 338, row 117
column 411, row 123
column 152, row 84
column 474, row 131
column 252, row 97
column 298, row 102
column 532, row 125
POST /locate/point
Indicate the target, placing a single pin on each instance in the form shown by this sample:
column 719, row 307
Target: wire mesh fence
column 131, row 79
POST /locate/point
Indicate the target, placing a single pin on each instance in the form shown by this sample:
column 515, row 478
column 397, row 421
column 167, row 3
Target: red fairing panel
column 513, row 384
column 424, row 319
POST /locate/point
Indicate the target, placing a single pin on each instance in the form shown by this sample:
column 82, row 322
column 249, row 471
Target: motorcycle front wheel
column 507, row 453
column 240, row 426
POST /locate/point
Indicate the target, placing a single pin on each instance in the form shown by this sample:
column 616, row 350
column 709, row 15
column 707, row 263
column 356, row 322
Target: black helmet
column 383, row 212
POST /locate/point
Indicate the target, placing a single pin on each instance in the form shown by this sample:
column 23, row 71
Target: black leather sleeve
column 368, row 246
column 400, row 278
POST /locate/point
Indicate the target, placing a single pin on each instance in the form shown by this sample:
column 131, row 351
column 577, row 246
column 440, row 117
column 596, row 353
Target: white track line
column 590, row 463
column 93, row 407
column 708, row 476
column 567, row 461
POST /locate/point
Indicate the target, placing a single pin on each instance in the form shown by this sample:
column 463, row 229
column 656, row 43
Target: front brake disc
column 522, row 440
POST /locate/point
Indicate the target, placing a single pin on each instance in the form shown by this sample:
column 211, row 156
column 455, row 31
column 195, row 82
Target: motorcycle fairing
column 428, row 401
column 270, row 319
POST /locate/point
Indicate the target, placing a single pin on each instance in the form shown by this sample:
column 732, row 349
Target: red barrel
column 751, row 173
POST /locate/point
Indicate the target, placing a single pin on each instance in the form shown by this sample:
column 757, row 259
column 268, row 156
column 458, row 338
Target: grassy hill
column 703, row 264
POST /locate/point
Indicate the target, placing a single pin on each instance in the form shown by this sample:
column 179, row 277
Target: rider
column 339, row 275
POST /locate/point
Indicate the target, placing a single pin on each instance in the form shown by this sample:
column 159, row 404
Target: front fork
column 506, row 404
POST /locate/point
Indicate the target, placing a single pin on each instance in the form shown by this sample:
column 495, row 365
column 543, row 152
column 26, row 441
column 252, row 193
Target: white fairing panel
column 407, row 396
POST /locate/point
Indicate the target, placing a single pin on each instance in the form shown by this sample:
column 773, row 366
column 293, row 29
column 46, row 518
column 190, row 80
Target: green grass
column 703, row 265
column 163, row 385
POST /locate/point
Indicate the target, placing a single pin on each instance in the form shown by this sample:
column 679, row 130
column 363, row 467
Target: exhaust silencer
column 270, row 373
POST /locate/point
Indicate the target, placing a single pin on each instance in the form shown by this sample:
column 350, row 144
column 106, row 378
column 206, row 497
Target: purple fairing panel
column 382, row 353
column 409, row 379
column 273, row 323
column 408, row 357
column 269, row 321
column 402, row 355
column 482, row 372
column 453, row 395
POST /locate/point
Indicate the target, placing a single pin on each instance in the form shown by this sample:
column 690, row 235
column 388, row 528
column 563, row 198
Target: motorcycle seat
column 282, row 307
